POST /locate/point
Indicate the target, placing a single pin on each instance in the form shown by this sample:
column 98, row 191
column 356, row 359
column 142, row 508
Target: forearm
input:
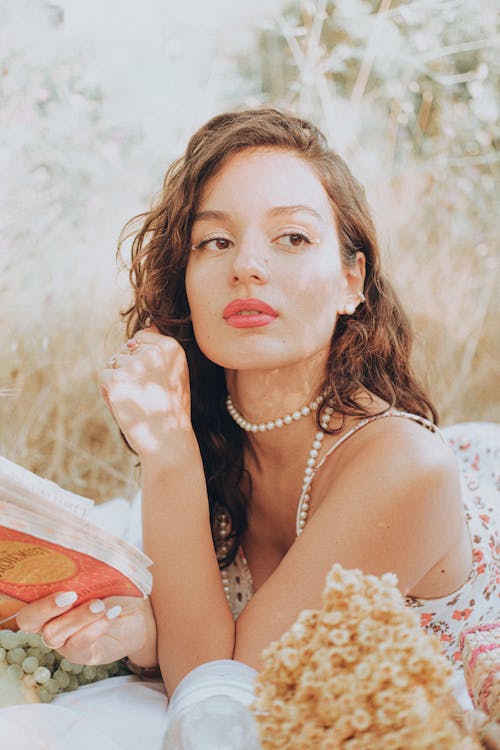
column 194, row 622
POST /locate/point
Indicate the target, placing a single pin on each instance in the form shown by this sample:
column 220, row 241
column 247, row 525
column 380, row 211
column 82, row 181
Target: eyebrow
column 276, row 211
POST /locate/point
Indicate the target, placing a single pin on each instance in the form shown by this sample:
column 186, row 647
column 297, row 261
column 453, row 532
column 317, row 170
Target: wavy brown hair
column 369, row 349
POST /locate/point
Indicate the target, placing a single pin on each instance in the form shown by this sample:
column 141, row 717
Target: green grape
column 41, row 675
column 8, row 639
column 29, row 681
column 3, row 654
column 89, row 673
column 65, row 664
column 101, row 673
column 73, row 682
column 44, row 695
column 30, row 664
column 76, row 668
column 33, row 640
column 62, row 678
column 16, row 655
column 52, row 686
column 49, row 659
column 15, row 669
column 36, row 652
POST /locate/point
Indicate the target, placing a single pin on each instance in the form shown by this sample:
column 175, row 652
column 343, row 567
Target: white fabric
column 120, row 713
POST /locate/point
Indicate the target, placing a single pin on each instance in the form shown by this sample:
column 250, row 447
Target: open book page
column 29, row 488
column 47, row 545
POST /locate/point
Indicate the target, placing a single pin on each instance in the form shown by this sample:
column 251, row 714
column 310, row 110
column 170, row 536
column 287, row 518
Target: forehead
column 265, row 176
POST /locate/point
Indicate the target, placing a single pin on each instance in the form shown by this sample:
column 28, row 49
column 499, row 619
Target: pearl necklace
column 303, row 505
column 309, row 471
column 267, row 426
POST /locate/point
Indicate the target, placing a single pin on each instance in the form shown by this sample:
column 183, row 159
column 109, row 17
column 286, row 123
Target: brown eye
column 295, row 240
column 213, row 243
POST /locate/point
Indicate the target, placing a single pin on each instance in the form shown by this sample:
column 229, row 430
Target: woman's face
column 264, row 279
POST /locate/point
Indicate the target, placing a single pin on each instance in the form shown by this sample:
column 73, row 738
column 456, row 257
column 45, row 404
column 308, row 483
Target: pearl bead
column 279, row 422
column 305, row 411
column 311, row 461
column 316, row 445
column 296, row 415
column 313, row 453
column 319, row 436
column 262, row 427
column 254, row 427
column 308, row 471
column 270, row 425
column 287, row 419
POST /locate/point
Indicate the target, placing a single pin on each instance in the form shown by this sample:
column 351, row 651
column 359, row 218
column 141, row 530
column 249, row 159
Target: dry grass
column 60, row 325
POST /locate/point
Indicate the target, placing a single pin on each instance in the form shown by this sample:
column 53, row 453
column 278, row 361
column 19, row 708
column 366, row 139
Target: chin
column 255, row 358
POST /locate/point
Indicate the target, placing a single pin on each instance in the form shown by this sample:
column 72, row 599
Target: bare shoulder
column 401, row 449
column 394, row 493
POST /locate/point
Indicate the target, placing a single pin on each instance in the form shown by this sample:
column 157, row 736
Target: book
column 49, row 543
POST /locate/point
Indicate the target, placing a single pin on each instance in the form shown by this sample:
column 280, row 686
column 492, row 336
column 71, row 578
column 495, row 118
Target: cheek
column 316, row 292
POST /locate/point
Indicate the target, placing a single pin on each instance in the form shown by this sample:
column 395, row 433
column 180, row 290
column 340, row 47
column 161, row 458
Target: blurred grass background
column 97, row 99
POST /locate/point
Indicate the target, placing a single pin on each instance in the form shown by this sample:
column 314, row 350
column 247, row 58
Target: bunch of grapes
column 46, row 671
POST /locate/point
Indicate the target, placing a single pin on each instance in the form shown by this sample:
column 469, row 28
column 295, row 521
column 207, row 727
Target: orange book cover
column 31, row 568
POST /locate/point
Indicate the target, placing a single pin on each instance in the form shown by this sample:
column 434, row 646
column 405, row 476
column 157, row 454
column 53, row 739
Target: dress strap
column 391, row 413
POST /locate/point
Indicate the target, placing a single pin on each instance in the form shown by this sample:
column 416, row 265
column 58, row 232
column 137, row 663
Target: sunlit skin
column 387, row 500
column 266, row 229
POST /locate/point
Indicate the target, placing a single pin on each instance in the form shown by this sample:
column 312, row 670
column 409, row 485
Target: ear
column 352, row 285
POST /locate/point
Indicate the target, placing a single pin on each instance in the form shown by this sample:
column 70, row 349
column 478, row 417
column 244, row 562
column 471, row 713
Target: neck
column 265, row 395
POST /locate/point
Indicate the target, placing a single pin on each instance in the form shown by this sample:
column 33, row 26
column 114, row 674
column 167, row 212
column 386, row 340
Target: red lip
column 262, row 314
column 237, row 305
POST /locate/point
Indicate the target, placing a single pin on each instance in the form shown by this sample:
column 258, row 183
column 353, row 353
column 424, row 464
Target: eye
column 295, row 240
column 213, row 243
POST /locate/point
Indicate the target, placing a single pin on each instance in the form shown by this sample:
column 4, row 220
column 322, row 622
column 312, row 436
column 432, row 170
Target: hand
column 97, row 632
column 148, row 391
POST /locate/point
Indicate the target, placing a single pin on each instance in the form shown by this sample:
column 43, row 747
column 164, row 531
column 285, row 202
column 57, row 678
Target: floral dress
column 477, row 448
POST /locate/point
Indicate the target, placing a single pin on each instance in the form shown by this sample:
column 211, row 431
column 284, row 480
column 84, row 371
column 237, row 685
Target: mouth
column 249, row 313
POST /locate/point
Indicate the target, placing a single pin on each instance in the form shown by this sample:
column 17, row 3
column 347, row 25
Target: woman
column 267, row 391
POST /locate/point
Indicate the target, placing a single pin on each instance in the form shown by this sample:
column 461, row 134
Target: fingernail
column 97, row 606
column 113, row 612
column 66, row 598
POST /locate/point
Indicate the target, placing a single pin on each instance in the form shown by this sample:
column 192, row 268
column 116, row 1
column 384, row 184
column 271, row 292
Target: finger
column 58, row 631
column 86, row 644
column 33, row 616
column 152, row 335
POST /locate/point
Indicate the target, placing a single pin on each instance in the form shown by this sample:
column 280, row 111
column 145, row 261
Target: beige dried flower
column 359, row 674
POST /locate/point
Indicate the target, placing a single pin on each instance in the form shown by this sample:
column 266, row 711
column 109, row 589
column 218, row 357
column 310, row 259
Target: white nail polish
column 113, row 612
column 97, row 606
column 66, row 598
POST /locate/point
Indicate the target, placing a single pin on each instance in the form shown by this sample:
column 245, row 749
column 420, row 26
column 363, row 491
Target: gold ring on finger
column 113, row 361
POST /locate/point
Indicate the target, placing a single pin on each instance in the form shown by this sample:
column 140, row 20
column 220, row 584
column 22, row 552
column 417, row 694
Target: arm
column 400, row 514
column 149, row 395
column 194, row 622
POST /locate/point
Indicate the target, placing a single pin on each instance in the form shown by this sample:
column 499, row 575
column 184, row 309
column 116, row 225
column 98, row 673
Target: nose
column 251, row 261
